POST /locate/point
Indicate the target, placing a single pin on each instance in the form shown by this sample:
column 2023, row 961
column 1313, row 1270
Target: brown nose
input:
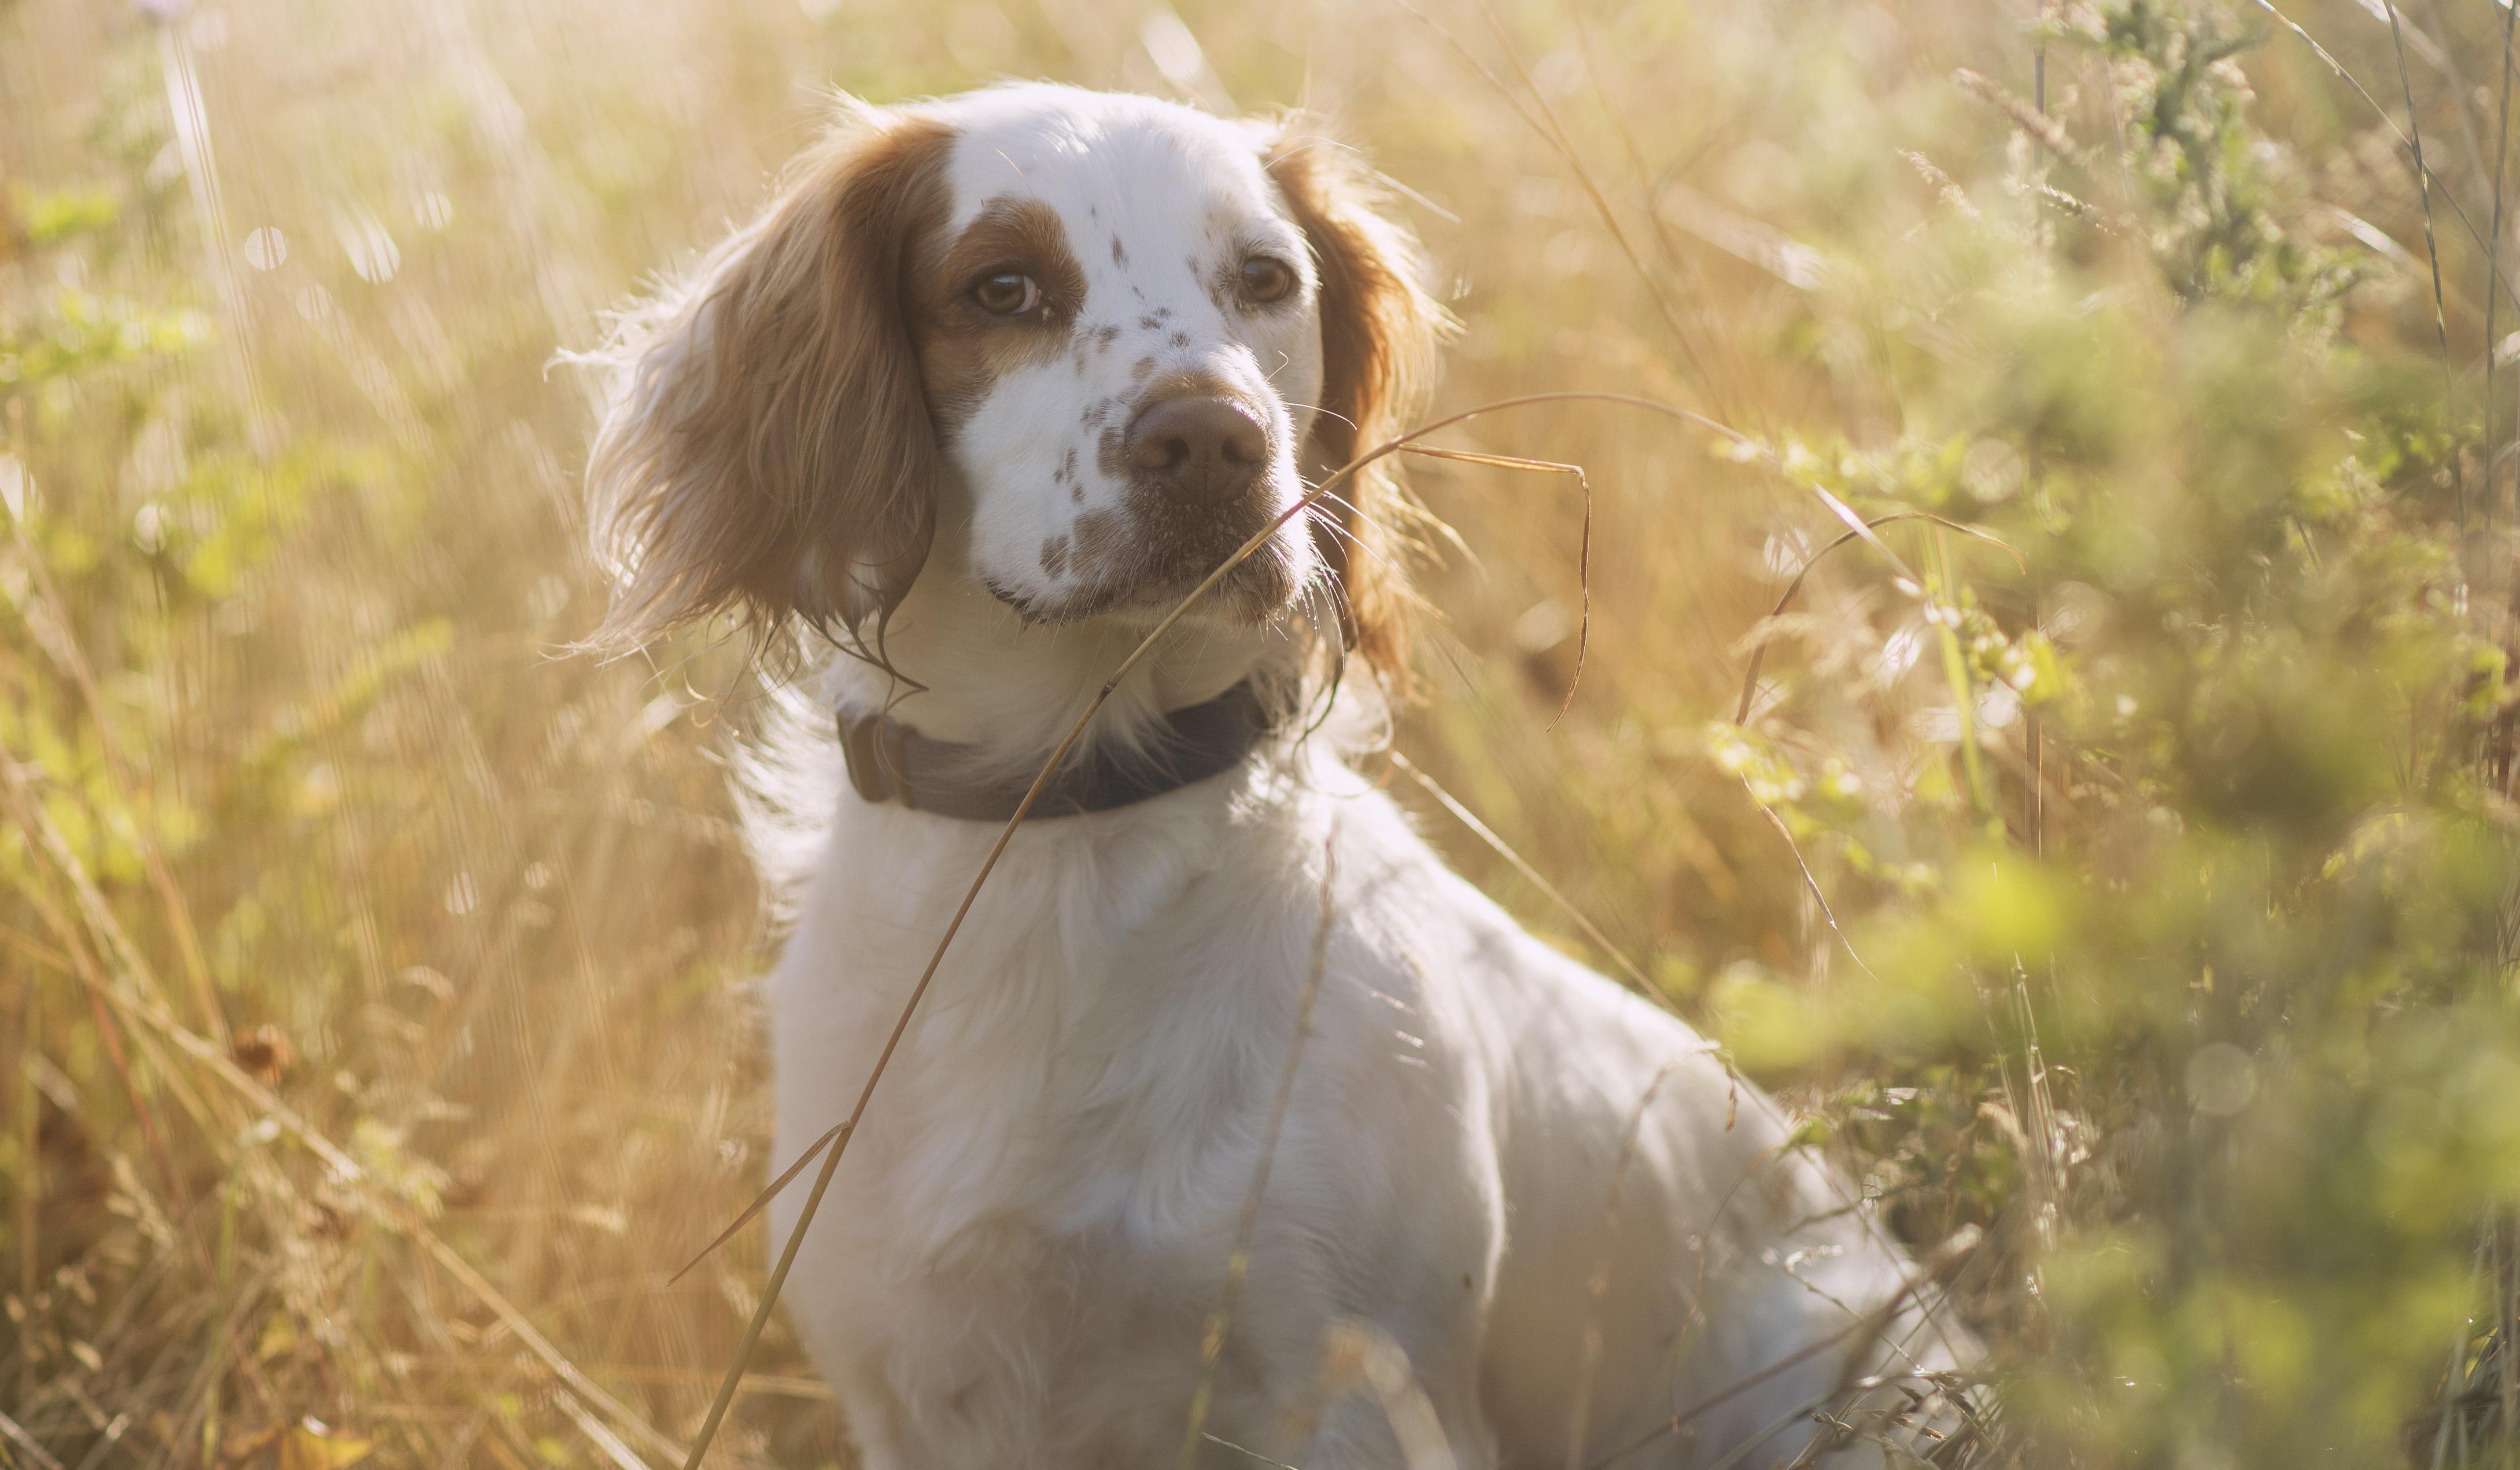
column 1202, row 447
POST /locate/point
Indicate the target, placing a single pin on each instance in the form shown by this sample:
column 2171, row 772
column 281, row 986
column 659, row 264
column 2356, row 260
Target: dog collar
column 889, row 762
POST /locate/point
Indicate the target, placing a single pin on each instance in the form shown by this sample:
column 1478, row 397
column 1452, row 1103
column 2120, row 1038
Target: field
column 2109, row 847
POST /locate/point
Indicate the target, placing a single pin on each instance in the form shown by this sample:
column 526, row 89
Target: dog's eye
column 1009, row 293
column 1267, row 280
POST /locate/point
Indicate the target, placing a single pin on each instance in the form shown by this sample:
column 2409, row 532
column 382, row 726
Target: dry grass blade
column 621, row 1455
column 535, row 1343
column 2494, row 233
column 1023, row 808
column 29, row 1190
column 2432, row 252
column 64, row 650
column 2422, row 173
column 1759, row 655
column 1862, row 530
column 1648, row 189
column 17, row 1435
column 57, row 849
column 761, row 1201
column 1865, row 1329
column 47, row 839
column 1583, row 555
column 1572, row 395
column 1248, row 1452
column 151, row 1134
column 1588, row 1369
column 1545, row 123
column 1211, row 1348
column 2507, row 1308
column 2050, row 133
column 1811, row 881
column 776, row 1385
column 1809, row 1408
column 33, row 948
column 1695, row 1411
column 148, row 1012
column 1565, row 145
column 1470, row 60
column 1531, row 875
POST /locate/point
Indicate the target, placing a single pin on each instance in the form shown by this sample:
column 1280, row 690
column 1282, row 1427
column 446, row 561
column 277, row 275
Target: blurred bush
column 2061, row 734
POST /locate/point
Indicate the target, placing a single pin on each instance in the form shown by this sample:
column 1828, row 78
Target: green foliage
column 2211, row 217
column 2232, row 972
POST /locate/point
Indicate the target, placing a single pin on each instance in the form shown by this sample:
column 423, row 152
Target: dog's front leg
column 1372, row 1408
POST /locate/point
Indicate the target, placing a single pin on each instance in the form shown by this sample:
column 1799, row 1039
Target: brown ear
column 1378, row 332
column 767, row 443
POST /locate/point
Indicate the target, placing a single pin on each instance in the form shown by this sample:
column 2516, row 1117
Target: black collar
column 889, row 762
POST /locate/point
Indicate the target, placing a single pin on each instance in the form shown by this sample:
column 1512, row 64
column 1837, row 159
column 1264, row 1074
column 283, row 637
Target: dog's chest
column 1084, row 1071
column 1044, row 1192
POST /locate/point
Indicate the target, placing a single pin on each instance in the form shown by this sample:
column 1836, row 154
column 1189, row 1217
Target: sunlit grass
column 372, row 971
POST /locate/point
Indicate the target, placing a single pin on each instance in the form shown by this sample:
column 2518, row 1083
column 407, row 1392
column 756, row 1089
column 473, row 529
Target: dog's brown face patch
column 963, row 346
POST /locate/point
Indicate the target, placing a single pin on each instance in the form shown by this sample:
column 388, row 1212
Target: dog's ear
column 1379, row 328
column 766, row 444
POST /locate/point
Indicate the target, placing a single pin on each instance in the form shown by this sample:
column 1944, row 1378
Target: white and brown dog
column 991, row 385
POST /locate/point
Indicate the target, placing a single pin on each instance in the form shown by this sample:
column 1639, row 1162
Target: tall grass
column 2109, row 847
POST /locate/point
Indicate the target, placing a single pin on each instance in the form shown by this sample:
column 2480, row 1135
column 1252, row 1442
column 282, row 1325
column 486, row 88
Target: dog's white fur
column 1540, row 1190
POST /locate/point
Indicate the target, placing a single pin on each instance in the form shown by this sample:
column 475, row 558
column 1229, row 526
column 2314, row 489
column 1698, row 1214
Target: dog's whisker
column 1325, row 411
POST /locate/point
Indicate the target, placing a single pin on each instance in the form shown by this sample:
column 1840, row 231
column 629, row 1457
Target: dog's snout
column 1201, row 446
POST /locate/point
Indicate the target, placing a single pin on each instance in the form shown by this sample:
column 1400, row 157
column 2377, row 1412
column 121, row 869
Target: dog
column 993, row 384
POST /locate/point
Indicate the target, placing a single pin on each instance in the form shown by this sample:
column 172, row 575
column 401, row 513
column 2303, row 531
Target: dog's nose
column 1199, row 445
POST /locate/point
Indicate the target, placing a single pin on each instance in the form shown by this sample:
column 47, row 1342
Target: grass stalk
column 2432, row 259
column 2423, row 173
column 1589, row 1346
column 1211, row 1348
column 215, row 1332
column 31, row 1168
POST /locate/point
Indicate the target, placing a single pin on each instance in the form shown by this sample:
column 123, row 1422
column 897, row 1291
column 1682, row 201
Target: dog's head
column 1076, row 347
